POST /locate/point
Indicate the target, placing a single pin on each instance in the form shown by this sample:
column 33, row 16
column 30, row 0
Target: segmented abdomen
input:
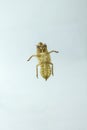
column 45, row 71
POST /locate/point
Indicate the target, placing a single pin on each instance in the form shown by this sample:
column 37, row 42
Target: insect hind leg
column 52, row 67
column 37, row 70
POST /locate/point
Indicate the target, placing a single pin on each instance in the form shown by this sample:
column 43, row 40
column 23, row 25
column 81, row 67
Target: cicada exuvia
column 44, row 60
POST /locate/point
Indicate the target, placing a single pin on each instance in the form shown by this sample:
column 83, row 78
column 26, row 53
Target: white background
column 28, row 103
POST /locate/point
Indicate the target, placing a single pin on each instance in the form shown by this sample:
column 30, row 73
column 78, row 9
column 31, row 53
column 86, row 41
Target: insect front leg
column 31, row 57
column 53, row 51
column 37, row 70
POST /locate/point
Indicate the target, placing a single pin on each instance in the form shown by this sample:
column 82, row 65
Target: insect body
column 44, row 59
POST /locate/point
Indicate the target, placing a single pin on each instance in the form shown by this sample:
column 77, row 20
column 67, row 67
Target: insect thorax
column 44, row 58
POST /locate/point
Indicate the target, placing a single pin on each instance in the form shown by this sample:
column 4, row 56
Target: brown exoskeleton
column 43, row 55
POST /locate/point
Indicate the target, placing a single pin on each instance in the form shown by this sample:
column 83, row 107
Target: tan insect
column 43, row 55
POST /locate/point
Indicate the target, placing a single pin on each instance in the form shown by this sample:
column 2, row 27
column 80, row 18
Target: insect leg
column 31, row 57
column 52, row 66
column 53, row 51
column 37, row 70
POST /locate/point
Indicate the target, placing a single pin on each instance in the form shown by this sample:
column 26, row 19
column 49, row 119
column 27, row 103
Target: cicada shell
column 44, row 60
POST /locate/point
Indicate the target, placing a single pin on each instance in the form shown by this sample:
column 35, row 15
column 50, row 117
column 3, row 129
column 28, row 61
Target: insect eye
column 41, row 43
column 45, row 45
column 38, row 47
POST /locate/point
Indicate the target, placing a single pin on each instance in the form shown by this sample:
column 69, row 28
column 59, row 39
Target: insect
column 44, row 60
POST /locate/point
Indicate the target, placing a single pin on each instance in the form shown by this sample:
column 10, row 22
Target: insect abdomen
column 45, row 71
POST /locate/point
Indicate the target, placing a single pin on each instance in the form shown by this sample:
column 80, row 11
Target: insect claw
column 37, row 76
